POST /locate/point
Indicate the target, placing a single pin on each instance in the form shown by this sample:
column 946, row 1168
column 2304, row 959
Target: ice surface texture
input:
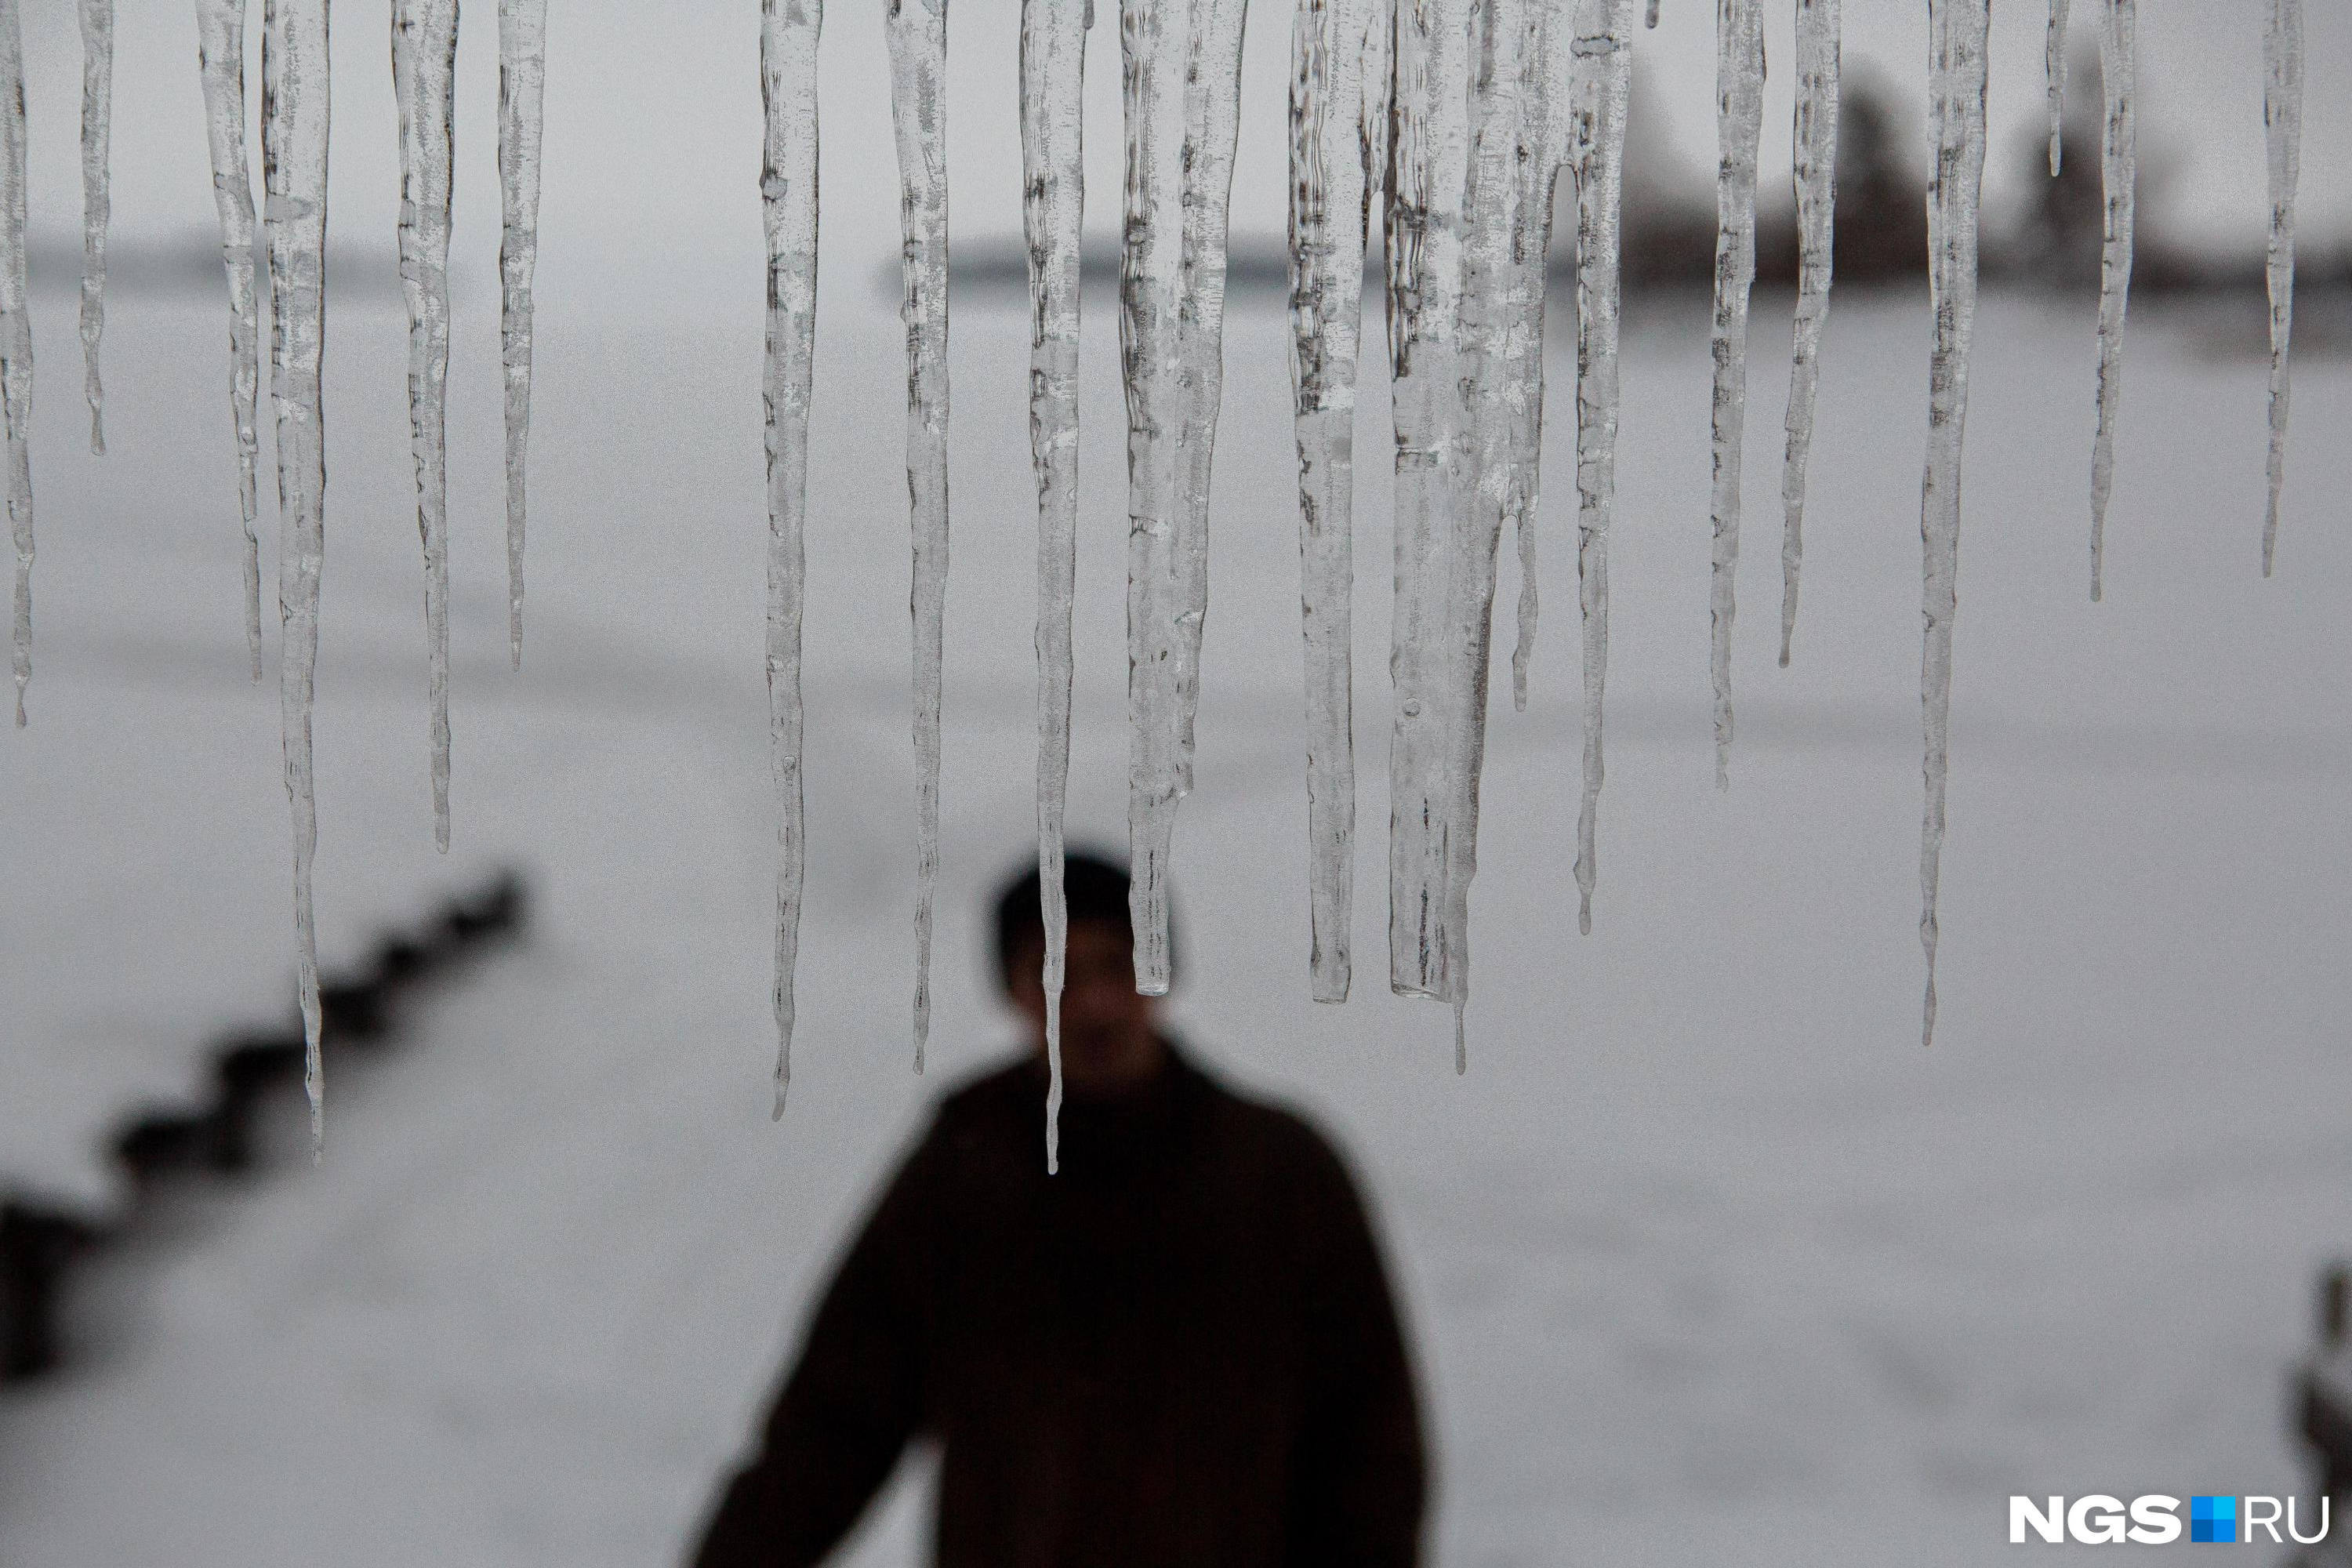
column 1814, row 155
column 522, row 83
column 220, row 59
column 2282, row 132
column 97, row 18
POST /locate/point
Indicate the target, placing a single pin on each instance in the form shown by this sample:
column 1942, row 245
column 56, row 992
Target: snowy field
column 1708, row 1261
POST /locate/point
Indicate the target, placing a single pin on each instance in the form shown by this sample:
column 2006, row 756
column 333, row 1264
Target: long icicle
column 1549, row 35
column 1429, row 153
column 1604, row 47
column 917, row 31
column 1182, row 71
column 16, row 343
column 2119, row 166
column 1154, row 42
column 295, row 101
column 1337, row 140
column 2054, row 72
column 1814, row 141
column 96, row 137
column 424, row 72
column 1739, row 121
column 220, row 58
column 1956, row 89
column 522, row 92
column 788, row 44
column 1053, row 83
column 2282, row 133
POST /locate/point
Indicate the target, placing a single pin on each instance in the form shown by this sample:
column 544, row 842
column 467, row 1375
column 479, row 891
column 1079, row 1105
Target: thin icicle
column 918, row 38
column 2053, row 71
column 1815, row 155
column 2119, row 166
column 220, row 57
column 1605, row 83
column 788, row 44
column 1339, row 96
column 1429, row 153
column 1739, row 121
column 1652, row 20
column 2282, row 131
column 424, row 68
column 1542, row 151
column 522, row 83
column 16, row 342
column 1052, row 82
column 96, row 135
column 1212, row 127
column 1956, row 111
column 294, row 95
column 1182, row 70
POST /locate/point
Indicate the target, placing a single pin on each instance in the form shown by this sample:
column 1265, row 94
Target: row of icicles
column 1461, row 115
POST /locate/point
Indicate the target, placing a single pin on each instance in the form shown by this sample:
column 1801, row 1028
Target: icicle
column 1739, row 120
column 424, row 65
column 1052, row 82
column 1955, row 90
column 1652, row 20
column 1339, row 96
column 1212, row 125
column 918, row 36
column 1541, row 153
column 96, row 133
column 2119, row 165
column 1181, row 70
column 220, row 57
column 1815, row 154
column 2053, row 68
column 788, row 42
column 2283, row 129
column 1604, row 49
column 522, row 83
column 294, row 89
column 16, row 342
column 1429, row 161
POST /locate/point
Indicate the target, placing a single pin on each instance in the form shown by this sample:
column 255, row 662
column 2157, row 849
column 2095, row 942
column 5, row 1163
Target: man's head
column 1109, row 1035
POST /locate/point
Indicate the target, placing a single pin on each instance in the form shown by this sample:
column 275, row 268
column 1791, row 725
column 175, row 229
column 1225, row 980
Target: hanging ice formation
column 918, row 36
column 1603, row 89
column 1956, row 112
column 1182, row 69
column 522, row 83
column 1052, row 80
column 1739, row 120
column 1437, row 572
column 96, row 133
column 1339, row 138
column 2119, row 166
column 220, row 58
column 423, row 68
column 2282, row 131
column 2053, row 69
column 788, row 40
column 294, row 86
column 1651, row 19
column 16, row 344
column 1814, row 148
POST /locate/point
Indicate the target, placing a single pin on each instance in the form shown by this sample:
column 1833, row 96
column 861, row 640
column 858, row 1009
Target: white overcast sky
column 654, row 127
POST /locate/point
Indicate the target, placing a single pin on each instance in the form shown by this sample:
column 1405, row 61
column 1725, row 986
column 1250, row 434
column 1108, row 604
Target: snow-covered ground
column 1708, row 1260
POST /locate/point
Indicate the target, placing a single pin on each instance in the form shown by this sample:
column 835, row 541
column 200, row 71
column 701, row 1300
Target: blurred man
column 1180, row 1350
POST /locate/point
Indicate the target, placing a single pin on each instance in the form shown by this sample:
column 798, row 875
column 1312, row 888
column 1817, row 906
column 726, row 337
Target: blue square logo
column 2213, row 1519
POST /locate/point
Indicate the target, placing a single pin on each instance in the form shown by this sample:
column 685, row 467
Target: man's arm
column 1362, row 1473
column 838, row 1427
